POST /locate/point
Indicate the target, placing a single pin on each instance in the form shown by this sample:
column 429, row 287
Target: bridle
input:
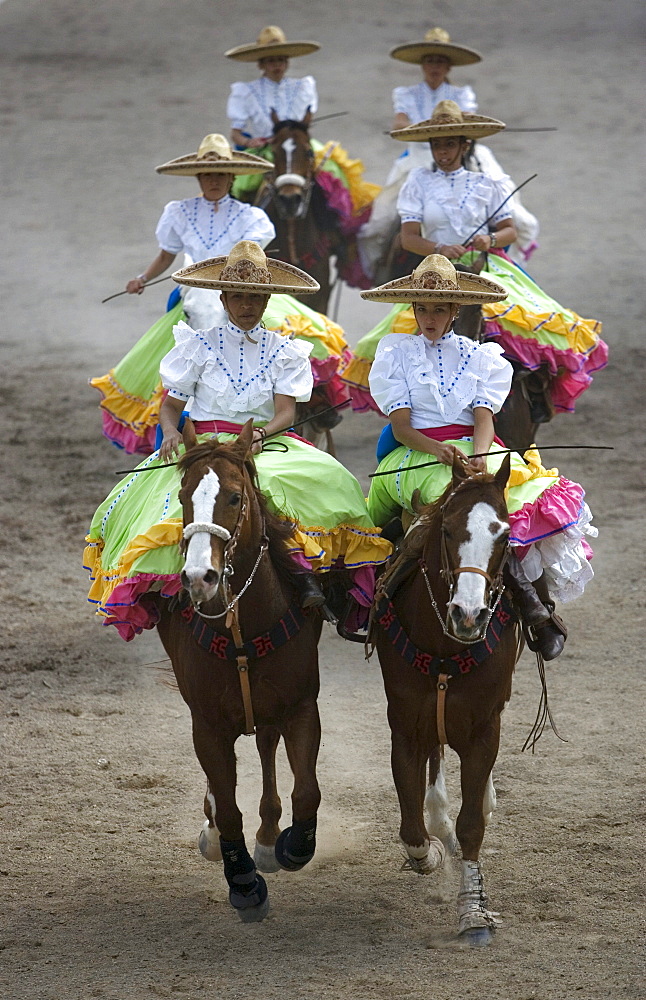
column 450, row 576
column 231, row 539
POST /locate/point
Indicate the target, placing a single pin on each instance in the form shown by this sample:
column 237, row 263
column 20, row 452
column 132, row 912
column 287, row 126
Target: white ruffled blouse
column 450, row 206
column 204, row 228
column 439, row 381
column 420, row 100
column 229, row 378
column 250, row 105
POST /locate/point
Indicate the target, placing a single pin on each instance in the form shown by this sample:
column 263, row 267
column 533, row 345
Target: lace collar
column 239, row 334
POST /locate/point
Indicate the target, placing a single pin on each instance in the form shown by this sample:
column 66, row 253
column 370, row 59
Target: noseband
column 231, row 540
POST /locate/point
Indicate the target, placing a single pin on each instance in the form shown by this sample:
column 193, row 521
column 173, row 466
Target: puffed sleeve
column 410, row 203
column 387, row 378
column 310, row 93
column 238, row 105
column 182, row 367
column 259, row 227
column 292, row 371
column 404, row 103
column 468, row 101
column 167, row 236
column 494, row 375
column 500, row 189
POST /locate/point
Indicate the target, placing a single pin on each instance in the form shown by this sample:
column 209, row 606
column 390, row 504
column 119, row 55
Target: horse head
column 293, row 164
column 216, row 494
column 474, row 533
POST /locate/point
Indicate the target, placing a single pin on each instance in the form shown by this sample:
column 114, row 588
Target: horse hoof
column 477, row 937
column 291, row 862
column 253, row 906
column 265, row 859
column 209, row 843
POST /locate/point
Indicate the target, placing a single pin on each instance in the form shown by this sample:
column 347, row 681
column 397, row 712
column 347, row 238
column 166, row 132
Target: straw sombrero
column 436, row 280
column 271, row 42
column 247, row 269
column 449, row 119
column 437, row 42
column 215, row 156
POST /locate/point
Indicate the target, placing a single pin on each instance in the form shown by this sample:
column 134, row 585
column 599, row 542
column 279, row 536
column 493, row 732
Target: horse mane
column 278, row 529
column 414, row 541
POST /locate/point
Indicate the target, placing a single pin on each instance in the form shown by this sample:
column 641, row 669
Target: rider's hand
column 256, row 143
column 136, row 286
column 170, row 446
column 445, row 452
column 452, row 250
column 477, row 463
column 482, row 242
column 258, row 438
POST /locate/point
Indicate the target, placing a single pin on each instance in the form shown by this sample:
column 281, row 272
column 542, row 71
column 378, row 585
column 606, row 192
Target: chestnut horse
column 244, row 664
column 447, row 681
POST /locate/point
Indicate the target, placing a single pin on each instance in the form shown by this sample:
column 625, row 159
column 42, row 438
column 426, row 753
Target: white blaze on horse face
column 289, row 146
column 484, row 527
column 198, row 553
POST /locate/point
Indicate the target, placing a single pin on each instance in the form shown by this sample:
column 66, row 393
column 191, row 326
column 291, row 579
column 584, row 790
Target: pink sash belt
column 451, row 432
column 225, row 427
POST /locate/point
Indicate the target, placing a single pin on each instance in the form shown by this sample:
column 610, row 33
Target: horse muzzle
column 468, row 624
column 202, row 585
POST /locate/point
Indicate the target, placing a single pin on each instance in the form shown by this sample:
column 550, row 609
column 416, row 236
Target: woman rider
column 250, row 104
column 445, row 209
column 436, row 53
column 200, row 227
column 226, row 376
column 440, row 392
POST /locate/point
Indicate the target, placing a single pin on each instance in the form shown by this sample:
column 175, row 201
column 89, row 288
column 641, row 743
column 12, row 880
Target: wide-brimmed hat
column 435, row 279
column 271, row 42
column 449, row 119
column 436, row 42
column 247, row 269
column 215, row 156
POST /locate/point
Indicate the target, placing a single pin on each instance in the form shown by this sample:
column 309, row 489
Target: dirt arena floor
column 104, row 892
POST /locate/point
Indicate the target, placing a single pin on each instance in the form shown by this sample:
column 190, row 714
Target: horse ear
column 189, row 436
column 274, row 117
column 416, row 502
column 245, row 438
column 308, row 117
column 502, row 474
column 459, row 469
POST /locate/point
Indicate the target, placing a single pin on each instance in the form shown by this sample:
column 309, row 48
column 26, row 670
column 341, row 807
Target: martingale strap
column 462, row 662
column 225, row 648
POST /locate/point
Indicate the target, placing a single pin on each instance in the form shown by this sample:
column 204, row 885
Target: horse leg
column 215, row 752
column 267, row 739
column 408, row 761
column 476, row 923
column 439, row 822
column 302, row 734
column 209, row 840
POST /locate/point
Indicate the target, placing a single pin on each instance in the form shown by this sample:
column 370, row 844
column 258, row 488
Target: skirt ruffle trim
column 116, row 592
column 361, row 192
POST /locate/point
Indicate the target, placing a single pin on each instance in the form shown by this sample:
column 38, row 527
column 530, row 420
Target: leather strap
column 442, row 686
column 243, row 670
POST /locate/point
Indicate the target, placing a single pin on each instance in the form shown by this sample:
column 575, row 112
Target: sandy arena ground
column 105, row 894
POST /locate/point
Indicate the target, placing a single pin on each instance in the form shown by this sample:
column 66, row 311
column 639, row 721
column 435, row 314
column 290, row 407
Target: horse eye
column 446, row 532
column 234, row 499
